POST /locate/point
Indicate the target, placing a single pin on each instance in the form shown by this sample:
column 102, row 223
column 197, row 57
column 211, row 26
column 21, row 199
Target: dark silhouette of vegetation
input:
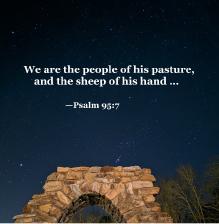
column 189, row 199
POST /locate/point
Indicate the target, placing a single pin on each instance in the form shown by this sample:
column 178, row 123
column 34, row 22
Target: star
column 118, row 159
column 155, row 100
column 21, row 165
column 194, row 138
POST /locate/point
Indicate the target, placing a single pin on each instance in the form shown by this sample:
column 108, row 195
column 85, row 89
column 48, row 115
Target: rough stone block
column 80, row 168
column 124, row 174
column 148, row 177
column 63, row 198
column 129, row 188
column 141, row 184
column 63, row 169
column 148, row 198
column 45, row 208
column 105, row 188
column 24, row 216
column 95, row 187
column 52, row 176
column 116, row 191
column 90, row 176
column 56, row 212
column 149, row 190
column 24, row 220
column 146, row 171
column 131, row 168
column 53, row 186
column 94, row 169
column 125, row 179
column 105, row 169
column 75, row 190
column 73, row 175
column 118, row 168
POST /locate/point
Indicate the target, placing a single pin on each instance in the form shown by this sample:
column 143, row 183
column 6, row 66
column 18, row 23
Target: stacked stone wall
column 126, row 193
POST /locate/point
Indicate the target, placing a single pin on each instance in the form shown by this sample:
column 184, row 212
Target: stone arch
column 126, row 193
column 92, row 199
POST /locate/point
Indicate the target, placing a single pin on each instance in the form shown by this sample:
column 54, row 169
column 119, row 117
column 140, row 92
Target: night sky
column 156, row 127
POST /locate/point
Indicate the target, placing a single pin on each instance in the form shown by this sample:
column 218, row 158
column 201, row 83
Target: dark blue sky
column 156, row 127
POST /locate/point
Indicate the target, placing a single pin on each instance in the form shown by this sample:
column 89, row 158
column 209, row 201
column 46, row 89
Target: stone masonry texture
column 126, row 193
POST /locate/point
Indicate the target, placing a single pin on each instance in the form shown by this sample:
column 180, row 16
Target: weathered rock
column 90, row 176
column 58, row 204
column 86, row 187
column 148, row 198
column 149, row 190
column 105, row 180
column 115, row 201
column 61, row 176
column 130, row 205
column 56, row 212
column 148, row 177
column 80, row 168
column 146, row 171
column 28, row 209
column 56, row 176
column 45, row 208
column 24, row 216
column 118, row 168
column 139, row 172
column 125, row 179
column 94, row 169
column 63, row 169
column 75, row 189
column 105, row 188
column 66, row 189
column 46, row 217
column 105, row 169
column 133, row 219
column 53, row 186
column 141, row 184
column 63, row 198
column 156, row 209
column 131, row 168
column 124, row 174
column 95, row 187
column 73, row 175
column 114, row 192
column 36, row 196
column 129, row 188
column 52, row 176
column 23, row 220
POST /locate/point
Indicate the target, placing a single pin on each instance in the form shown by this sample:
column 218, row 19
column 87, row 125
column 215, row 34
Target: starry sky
column 156, row 127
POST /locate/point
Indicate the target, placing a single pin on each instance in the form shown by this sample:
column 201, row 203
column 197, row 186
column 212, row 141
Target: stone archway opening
column 92, row 200
column 92, row 214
